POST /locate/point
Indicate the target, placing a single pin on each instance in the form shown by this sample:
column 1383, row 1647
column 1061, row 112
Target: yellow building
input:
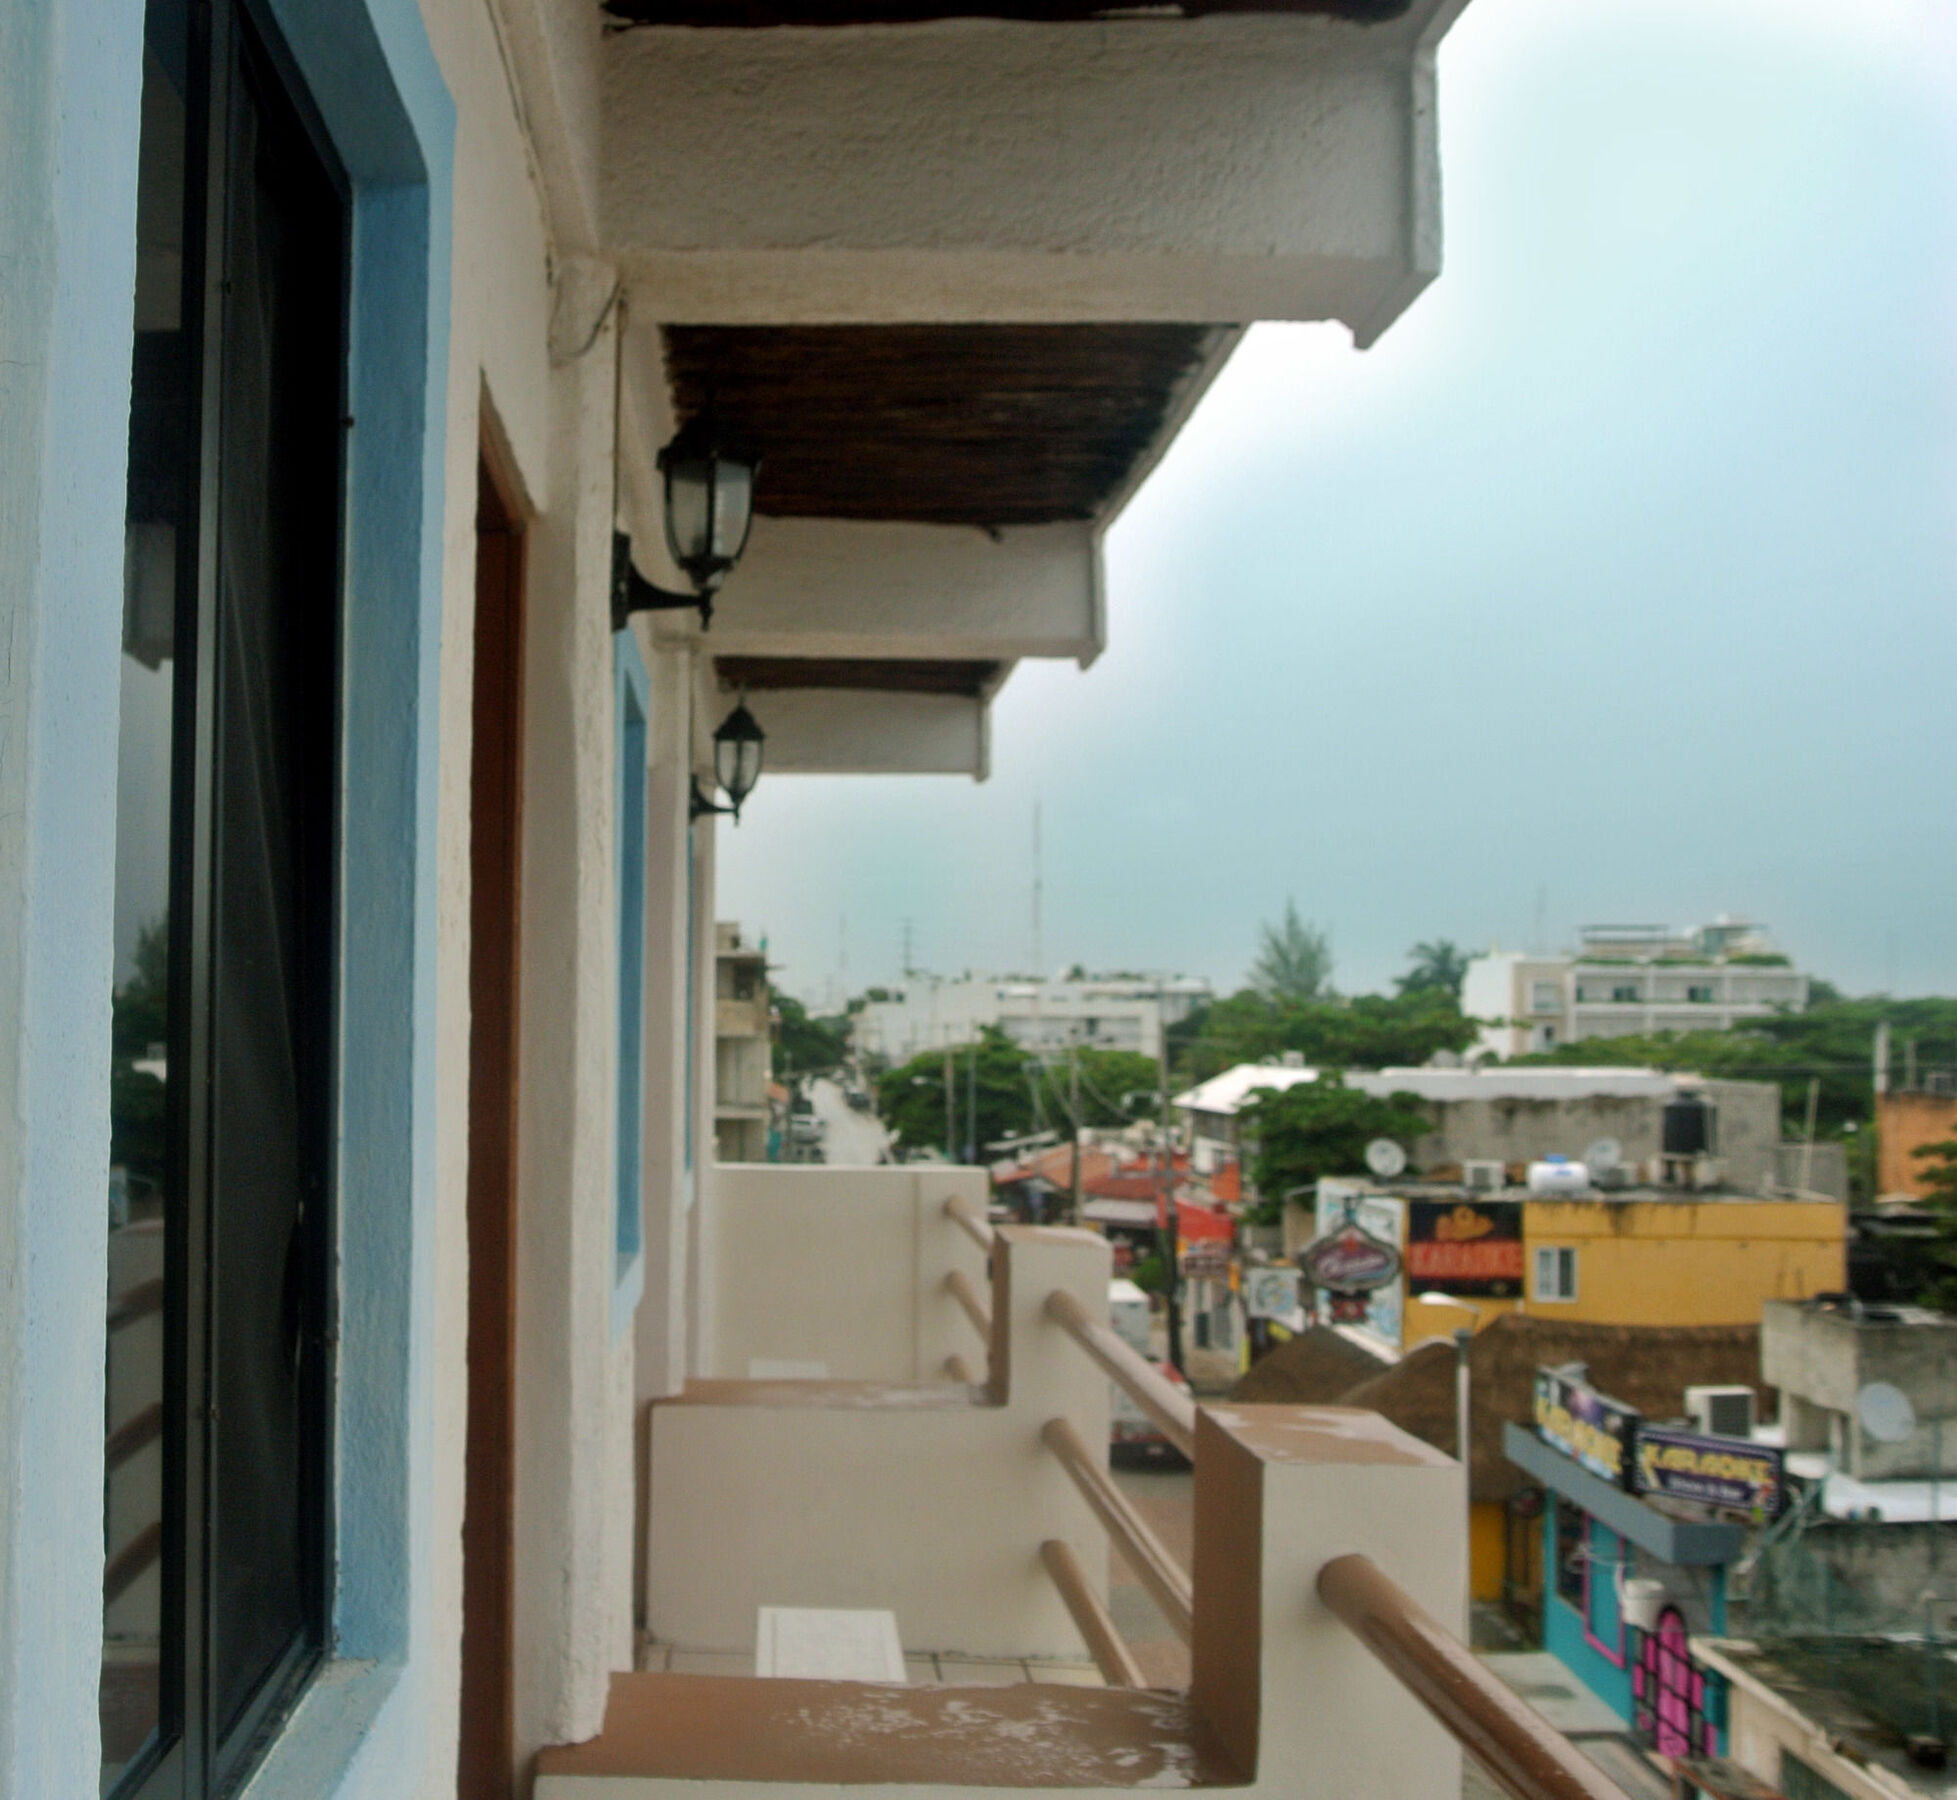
column 1654, row 1257
column 1646, row 1258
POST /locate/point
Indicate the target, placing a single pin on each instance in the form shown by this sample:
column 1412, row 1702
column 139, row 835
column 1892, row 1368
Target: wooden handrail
column 960, row 1370
column 138, row 1302
column 120, row 1573
column 970, row 1223
column 1160, row 1573
column 1111, row 1656
column 138, row 1430
column 960, row 1287
column 1527, row 1757
column 1172, row 1410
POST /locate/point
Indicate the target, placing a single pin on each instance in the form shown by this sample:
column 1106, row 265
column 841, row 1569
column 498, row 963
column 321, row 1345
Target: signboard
column 1381, row 1217
column 1205, row 1262
column 1270, row 1293
column 1588, row 1427
column 1465, row 1247
column 1351, row 1261
column 1729, row 1472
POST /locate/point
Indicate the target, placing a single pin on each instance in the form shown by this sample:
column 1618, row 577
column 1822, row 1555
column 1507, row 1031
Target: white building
column 742, row 1047
column 1629, row 980
column 1097, row 1012
column 385, row 1406
column 1503, row 1117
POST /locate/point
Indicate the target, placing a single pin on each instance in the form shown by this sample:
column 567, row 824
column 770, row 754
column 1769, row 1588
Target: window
column 1625, row 992
column 1545, row 996
column 633, row 688
column 224, row 1079
column 1555, row 1272
column 1699, row 991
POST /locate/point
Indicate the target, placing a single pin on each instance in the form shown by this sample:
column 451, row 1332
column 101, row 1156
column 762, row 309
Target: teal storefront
column 1597, row 1538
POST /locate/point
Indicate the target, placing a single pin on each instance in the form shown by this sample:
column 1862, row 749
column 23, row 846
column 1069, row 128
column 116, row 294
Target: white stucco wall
column 70, row 81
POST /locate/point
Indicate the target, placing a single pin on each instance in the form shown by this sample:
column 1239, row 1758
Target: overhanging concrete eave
column 1231, row 167
column 1682, row 1542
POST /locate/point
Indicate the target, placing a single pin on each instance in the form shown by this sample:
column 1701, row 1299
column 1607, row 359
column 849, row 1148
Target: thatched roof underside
column 1645, row 1366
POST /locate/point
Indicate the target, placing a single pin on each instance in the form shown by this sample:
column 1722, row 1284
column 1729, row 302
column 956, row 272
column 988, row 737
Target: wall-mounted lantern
column 708, row 478
column 737, row 746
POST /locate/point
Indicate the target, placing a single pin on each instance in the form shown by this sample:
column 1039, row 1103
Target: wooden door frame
column 486, row 1742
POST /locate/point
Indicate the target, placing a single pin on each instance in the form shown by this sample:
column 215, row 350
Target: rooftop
column 1865, row 1696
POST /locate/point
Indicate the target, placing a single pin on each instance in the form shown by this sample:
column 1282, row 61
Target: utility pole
column 951, row 1108
column 971, row 1110
column 1171, row 1259
column 1073, row 1062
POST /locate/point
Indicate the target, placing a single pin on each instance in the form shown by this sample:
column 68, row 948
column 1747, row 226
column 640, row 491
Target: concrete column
column 1291, row 1694
column 574, row 1376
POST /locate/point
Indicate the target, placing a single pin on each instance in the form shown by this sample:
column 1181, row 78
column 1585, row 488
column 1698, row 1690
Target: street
column 852, row 1139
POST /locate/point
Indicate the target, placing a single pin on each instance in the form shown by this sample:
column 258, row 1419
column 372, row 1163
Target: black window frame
column 229, row 45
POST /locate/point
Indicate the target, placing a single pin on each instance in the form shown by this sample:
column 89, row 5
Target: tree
column 1370, row 1031
column 911, row 1097
column 1320, row 1128
column 807, row 1045
column 1117, row 1087
column 1940, row 1195
column 1439, row 967
column 1295, row 961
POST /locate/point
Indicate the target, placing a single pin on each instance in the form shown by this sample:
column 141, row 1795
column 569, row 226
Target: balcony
column 914, row 1421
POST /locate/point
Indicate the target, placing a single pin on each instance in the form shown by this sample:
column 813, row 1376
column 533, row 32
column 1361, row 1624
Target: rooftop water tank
column 1688, row 1124
column 1558, row 1175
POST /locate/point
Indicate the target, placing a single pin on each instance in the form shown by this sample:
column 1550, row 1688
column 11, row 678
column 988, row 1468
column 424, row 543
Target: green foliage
column 1147, row 1273
column 1370, row 1031
column 807, row 1045
column 1438, row 967
column 1295, row 961
column 1108, row 1078
column 1320, row 1128
column 1940, row 1195
column 1833, row 1040
column 911, row 1097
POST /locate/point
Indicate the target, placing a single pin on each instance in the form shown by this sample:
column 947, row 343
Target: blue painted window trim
column 361, row 1727
column 631, row 713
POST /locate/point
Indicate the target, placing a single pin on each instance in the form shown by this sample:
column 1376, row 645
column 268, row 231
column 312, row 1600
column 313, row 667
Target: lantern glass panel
column 733, row 509
column 747, row 767
column 689, row 509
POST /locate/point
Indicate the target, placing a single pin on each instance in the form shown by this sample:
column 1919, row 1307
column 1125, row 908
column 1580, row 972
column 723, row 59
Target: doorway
column 486, row 1749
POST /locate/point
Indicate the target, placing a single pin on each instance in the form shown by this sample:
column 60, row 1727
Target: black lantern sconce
column 708, row 477
column 737, row 743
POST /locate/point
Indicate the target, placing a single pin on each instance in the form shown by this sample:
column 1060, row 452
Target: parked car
column 1134, row 1439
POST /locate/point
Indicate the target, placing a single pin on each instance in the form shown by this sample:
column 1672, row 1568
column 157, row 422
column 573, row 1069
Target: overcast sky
column 1616, row 582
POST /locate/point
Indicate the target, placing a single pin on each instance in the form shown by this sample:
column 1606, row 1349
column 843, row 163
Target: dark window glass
column 222, row 1090
column 1572, row 1552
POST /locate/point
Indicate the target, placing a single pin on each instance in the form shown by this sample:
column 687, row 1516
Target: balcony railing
column 980, row 1514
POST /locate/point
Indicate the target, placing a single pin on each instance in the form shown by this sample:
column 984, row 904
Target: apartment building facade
column 1629, row 980
column 1099, row 1012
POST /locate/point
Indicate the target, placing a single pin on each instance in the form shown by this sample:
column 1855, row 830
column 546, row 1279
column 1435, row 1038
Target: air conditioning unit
column 1483, row 1177
column 1721, row 1411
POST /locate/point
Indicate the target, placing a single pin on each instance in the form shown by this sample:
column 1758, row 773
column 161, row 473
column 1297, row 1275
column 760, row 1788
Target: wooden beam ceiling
column 752, row 13
column 988, row 425
column 758, row 674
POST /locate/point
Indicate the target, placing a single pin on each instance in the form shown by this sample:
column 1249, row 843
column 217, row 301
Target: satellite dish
column 1385, row 1158
column 1885, row 1412
column 1603, row 1156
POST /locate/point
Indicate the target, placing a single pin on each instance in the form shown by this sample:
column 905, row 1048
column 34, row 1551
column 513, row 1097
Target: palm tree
column 1438, row 967
column 1295, row 962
